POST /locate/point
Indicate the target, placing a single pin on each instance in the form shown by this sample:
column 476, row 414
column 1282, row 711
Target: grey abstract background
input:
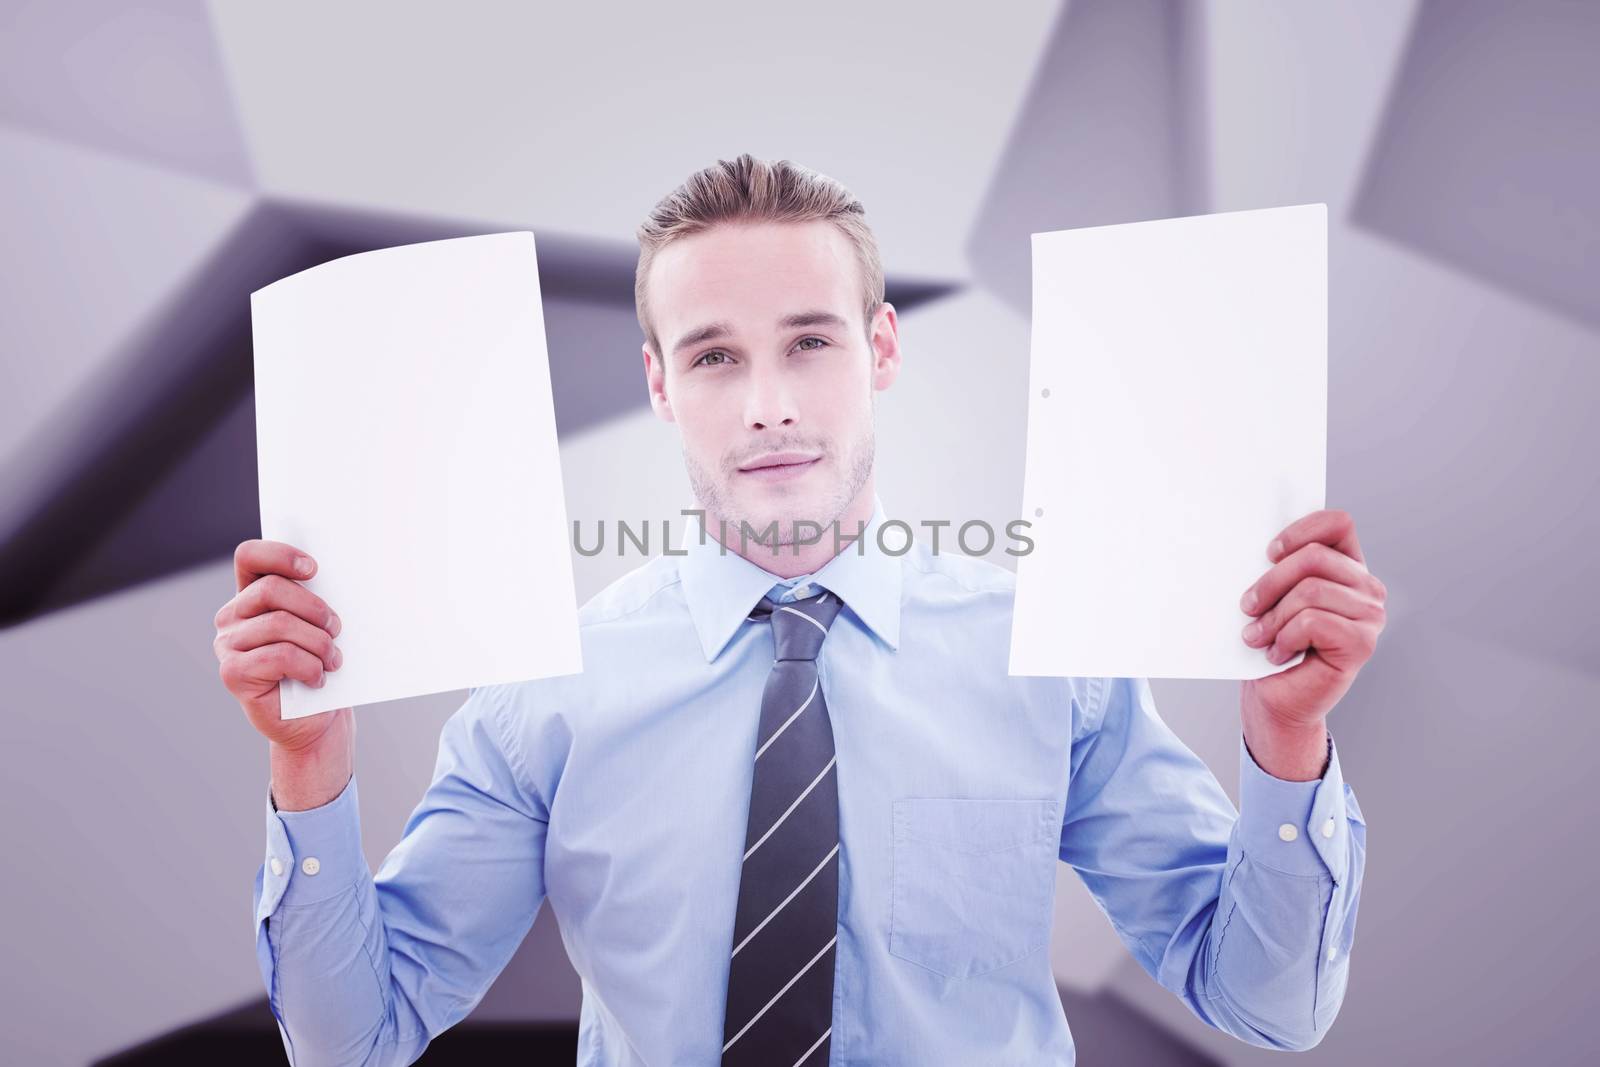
column 158, row 161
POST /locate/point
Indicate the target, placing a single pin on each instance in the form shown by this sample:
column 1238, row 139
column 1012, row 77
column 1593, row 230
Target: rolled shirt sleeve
column 1247, row 914
column 365, row 969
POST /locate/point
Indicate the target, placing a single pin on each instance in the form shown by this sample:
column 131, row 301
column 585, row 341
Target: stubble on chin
column 715, row 496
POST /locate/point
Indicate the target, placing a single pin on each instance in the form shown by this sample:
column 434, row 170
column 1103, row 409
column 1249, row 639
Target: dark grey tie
column 780, row 979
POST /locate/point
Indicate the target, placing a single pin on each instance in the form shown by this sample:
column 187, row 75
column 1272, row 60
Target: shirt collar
column 721, row 586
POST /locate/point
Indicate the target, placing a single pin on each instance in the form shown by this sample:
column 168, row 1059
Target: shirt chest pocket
column 973, row 881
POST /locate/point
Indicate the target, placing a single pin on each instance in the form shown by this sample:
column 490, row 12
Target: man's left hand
column 1320, row 597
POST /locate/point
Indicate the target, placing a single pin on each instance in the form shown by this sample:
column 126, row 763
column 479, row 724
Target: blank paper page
column 406, row 439
column 1177, row 421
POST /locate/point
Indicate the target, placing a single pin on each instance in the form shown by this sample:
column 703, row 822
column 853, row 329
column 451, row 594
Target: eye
column 820, row 343
column 713, row 352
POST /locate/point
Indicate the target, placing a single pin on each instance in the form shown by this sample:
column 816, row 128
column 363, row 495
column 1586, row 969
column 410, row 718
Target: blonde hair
column 747, row 189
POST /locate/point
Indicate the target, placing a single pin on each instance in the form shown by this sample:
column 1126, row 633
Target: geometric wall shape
column 141, row 80
column 1113, row 130
column 94, row 245
column 194, row 513
column 578, row 117
column 162, row 388
column 1461, row 419
column 1488, row 158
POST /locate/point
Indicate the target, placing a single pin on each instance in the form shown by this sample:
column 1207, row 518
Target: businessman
column 794, row 810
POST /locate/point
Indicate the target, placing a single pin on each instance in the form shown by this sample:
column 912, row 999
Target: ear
column 656, row 382
column 885, row 338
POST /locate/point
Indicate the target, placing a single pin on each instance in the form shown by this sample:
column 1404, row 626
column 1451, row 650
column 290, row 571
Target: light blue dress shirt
column 620, row 796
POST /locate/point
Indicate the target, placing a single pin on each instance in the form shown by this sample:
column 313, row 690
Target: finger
column 1311, row 559
column 277, row 626
column 274, row 662
column 1312, row 592
column 273, row 592
column 1337, row 639
column 1331, row 527
column 255, row 558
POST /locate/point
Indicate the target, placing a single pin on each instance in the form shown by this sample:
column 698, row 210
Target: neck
column 787, row 561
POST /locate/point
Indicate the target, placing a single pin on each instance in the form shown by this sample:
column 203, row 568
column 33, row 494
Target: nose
column 768, row 399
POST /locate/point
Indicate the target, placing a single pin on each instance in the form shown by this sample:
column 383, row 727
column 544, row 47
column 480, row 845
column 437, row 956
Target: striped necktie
column 779, row 1009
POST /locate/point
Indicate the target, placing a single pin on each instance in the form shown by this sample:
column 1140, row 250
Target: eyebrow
column 800, row 319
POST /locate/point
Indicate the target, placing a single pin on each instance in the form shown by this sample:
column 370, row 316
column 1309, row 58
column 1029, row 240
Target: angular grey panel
column 1488, row 157
column 139, row 79
column 95, row 244
column 1112, row 131
column 162, row 389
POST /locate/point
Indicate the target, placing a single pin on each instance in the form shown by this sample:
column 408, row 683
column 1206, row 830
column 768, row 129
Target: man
column 794, row 810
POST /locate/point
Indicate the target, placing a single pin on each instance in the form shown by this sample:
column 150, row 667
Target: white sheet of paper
column 1186, row 425
column 406, row 439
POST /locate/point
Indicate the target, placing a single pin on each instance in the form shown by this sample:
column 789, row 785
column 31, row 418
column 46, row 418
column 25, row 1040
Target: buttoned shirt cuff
column 312, row 855
column 1294, row 827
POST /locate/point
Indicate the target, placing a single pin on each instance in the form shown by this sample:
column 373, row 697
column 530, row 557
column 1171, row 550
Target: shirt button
column 802, row 591
column 1333, row 952
column 277, row 866
column 1328, row 827
column 1287, row 832
column 310, row 865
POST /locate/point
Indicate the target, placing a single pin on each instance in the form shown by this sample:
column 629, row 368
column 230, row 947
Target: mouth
column 780, row 466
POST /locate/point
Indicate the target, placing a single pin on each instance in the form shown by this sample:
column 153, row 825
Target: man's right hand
column 276, row 628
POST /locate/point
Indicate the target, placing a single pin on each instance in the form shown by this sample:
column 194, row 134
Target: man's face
column 766, row 356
